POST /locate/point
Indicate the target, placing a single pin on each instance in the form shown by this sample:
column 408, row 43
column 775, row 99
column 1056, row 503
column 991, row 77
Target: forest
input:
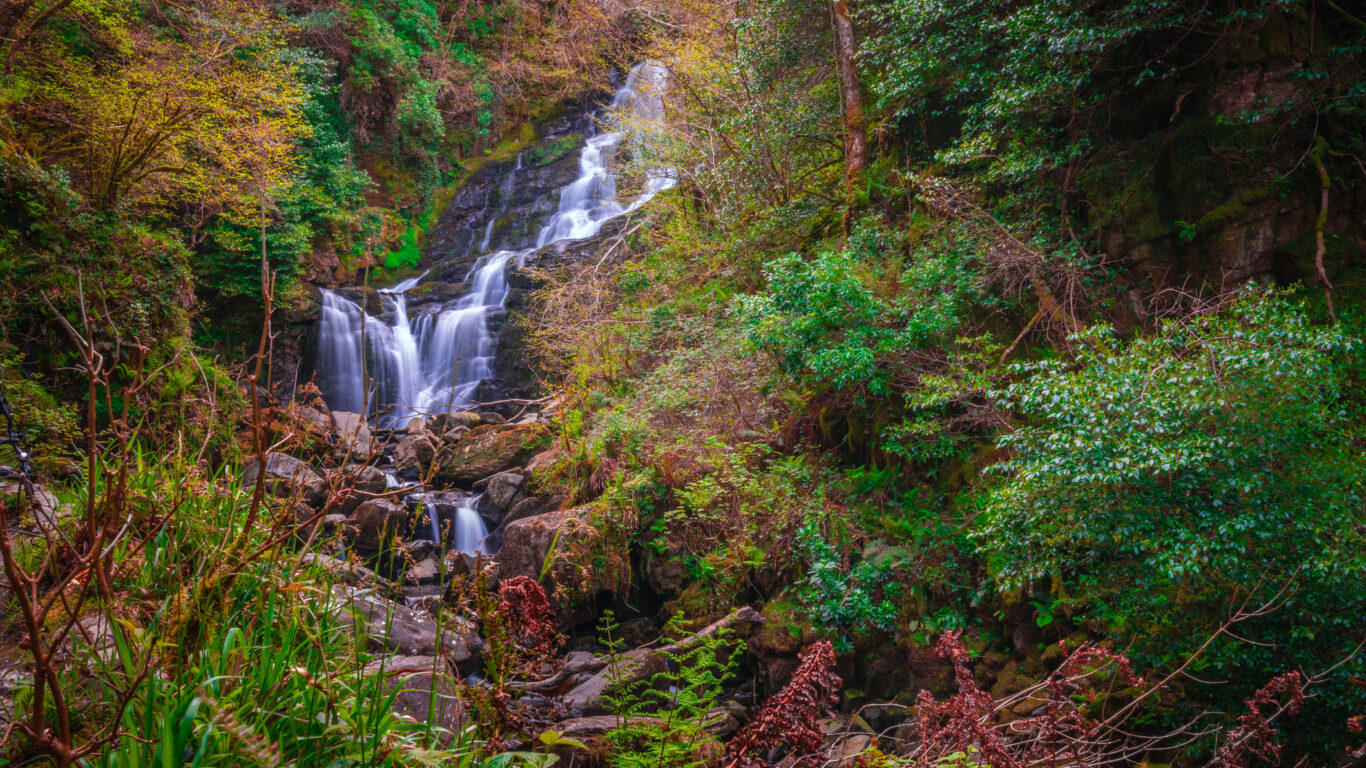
column 683, row 384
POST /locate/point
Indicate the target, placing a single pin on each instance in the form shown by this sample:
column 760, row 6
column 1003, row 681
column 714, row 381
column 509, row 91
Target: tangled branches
column 790, row 716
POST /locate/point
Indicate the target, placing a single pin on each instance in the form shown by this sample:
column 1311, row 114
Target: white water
column 470, row 531
column 401, row 370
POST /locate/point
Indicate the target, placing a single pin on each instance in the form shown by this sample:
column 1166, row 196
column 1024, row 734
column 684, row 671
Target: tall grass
column 269, row 672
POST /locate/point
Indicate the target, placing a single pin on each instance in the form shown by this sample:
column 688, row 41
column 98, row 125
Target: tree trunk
column 855, row 142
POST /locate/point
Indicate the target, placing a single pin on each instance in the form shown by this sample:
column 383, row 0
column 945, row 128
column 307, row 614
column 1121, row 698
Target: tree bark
column 846, row 47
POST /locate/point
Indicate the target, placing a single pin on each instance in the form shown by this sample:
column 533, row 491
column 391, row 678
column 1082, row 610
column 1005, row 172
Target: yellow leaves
column 203, row 114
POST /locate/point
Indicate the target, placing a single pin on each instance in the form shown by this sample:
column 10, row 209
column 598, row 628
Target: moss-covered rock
column 490, row 449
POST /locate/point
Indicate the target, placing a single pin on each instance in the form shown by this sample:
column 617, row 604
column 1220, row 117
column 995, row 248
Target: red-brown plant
column 789, row 717
column 1254, row 735
column 528, row 617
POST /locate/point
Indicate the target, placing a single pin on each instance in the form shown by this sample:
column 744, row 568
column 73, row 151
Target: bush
column 1165, row 480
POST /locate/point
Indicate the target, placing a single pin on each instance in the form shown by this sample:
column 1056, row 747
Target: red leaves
column 1254, row 736
column 961, row 722
column 527, row 615
column 789, row 717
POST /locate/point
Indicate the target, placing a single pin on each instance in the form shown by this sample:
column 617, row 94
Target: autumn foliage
column 789, row 718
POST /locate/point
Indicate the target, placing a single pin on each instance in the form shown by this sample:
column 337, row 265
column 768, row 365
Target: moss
column 1235, row 210
column 555, row 150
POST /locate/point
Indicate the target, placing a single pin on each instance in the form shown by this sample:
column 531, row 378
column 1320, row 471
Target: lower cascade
column 394, row 368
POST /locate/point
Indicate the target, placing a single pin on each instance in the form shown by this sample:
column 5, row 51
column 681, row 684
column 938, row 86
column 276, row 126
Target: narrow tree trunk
column 855, row 142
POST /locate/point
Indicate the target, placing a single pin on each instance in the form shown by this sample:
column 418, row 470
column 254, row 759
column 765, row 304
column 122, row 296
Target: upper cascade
column 394, row 368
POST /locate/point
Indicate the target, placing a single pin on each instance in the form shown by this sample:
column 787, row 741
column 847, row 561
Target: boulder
column 414, row 678
column 425, row 571
column 491, row 449
column 347, row 572
column 416, row 426
column 287, row 477
column 318, row 422
column 395, row 628
column 354, row 433
column 43, row 506
column 528, row 543
column 375, row 525
column 415, row 454
column 357, row 484
column 441, row 423
column 505, row 489
column 492, row 417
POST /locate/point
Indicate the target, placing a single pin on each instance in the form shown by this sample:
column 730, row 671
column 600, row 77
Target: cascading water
column 397, row 370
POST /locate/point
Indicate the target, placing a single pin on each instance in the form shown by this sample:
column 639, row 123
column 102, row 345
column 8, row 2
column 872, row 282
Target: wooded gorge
column 868, row 383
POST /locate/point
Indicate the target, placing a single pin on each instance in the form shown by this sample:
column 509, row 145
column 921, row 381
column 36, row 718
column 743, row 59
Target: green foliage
column 1162, row 479
column 662, row 723
column 846, row 600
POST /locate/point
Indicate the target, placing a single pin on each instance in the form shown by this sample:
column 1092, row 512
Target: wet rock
column 375, row 525
column 444, row 422
column 416, row 426
column 356, row 484
column 415, row 678
column 349, row 572
column 287, row 477
column 354, row 433
column 490, row 449
column 535, row 505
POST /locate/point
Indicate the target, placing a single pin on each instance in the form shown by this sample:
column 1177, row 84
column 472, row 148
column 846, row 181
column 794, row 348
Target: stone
column 395, row 628
column 426, row 571
column 43, row 505
column 541, row 462
column 535, row 505
column 415, row 454
column 356, row 484
column 441, row 423
column 287, row 477
column 454, row 434
column 528, row 543
column 348, row 572
column 355, row 435
column 490, row 449
column 505, row 489
column 318, row 422
column 630, row 668
column 416, row 426
column 414, row 678
column 420, row 549
column 492, row 417
column 375, row 525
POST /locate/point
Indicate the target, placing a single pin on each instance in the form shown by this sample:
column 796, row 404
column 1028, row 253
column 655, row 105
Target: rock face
column 490, row 449
column 287, row 477
column 505, row 489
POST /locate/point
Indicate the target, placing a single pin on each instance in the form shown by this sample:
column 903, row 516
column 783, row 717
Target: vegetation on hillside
column 1006, row 356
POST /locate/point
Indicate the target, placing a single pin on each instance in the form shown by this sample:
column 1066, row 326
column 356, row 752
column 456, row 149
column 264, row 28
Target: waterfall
column 399, row 369
column 469, row 530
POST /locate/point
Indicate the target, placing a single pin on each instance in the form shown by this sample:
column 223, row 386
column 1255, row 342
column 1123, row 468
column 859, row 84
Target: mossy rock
column 491, row 449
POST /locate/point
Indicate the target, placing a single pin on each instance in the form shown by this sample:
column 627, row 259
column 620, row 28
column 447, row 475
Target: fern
column 662, row 723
